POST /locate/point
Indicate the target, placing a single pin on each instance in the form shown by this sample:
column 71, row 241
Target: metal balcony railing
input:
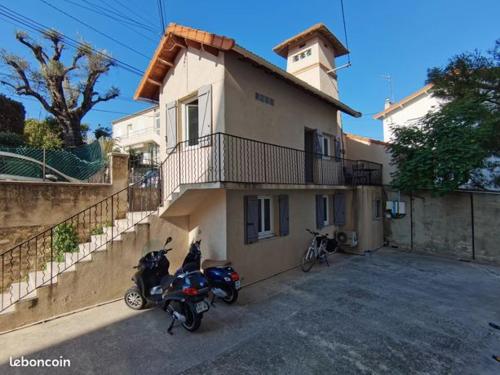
column 221, row 157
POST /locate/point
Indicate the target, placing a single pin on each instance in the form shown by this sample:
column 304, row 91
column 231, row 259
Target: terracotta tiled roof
column 365, row 139
column 177, row 37
column 403, row 101
column 318, row 29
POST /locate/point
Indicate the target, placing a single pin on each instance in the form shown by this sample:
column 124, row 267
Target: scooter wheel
column 193, row 319
column 134, row 299
column 232, row 296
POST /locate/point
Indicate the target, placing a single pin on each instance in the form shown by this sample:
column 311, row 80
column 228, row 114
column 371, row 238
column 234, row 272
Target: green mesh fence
column 79, row 163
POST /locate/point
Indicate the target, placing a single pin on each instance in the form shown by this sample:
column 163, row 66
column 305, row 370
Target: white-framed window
column 326, row 215
column 129, row 130
column 191, row 122
column 157, row 123
column 326, row 146
column 265, row 223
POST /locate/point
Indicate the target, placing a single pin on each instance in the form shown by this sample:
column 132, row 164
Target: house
column 407, row 111
column 410, row 111
column 252, row 154
column 140, row 132
column 363, row 148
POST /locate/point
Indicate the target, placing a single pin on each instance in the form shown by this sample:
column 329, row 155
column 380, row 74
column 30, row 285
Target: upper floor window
column 129, row 130
column 326, row 146
column 192, row 126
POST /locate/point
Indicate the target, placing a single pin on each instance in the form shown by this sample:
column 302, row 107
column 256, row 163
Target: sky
column 385, row 37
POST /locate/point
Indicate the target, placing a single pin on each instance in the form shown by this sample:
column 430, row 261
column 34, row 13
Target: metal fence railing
column 221, row 157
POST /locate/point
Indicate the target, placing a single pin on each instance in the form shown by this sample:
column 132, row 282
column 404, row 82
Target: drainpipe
column 472, row 225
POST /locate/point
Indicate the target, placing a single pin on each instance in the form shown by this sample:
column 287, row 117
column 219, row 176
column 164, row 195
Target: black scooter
column 223, row 280
column 181, row 295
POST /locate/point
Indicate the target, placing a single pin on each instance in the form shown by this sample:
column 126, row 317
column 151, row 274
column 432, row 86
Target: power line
column 22, row 20
column 160, row 12
column 96, row 30
column 110, row 10
column 118, row 20
column 131, row 11
column 345, row 32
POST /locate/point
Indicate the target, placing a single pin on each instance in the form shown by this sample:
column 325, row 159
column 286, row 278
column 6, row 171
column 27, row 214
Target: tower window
column 302, row 55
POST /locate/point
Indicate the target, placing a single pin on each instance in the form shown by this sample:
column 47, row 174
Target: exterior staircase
column 26, row 290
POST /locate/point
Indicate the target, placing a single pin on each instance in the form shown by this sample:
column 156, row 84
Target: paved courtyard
column 388, row 312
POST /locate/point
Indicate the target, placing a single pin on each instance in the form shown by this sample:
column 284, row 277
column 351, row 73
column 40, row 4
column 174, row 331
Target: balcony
column 221, row 157
column 141, row 136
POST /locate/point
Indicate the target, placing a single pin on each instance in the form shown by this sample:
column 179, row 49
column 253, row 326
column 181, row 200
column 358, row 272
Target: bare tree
column 65, row 91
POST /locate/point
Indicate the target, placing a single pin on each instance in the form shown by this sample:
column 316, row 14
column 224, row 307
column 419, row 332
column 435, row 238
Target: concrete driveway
column 389, row 312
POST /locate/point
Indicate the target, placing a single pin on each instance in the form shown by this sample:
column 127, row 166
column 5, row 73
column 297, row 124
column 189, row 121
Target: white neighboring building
column 408, row 110
column 140, row 131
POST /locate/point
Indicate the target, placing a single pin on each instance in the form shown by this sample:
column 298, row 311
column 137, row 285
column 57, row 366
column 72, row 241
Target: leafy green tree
column 65, row 90
column 12, row 115
column 446, row 146
column 43, row 134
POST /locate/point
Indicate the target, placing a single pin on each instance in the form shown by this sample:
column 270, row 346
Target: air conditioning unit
column 347, row 238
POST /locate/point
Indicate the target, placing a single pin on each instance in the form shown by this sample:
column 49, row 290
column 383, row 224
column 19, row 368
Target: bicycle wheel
column 308, row 260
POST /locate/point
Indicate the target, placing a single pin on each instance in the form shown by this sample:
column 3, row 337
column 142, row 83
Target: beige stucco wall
column 193, row 69
column 27, row 208
column 366, row 149
column 443, row 225
column 208, row 222
column 267, row 257
column 285, row 121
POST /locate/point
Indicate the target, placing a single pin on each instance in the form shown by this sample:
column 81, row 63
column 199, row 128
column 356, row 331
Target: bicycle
column 319, row 249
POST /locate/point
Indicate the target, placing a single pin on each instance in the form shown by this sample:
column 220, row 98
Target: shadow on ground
column 389, row 312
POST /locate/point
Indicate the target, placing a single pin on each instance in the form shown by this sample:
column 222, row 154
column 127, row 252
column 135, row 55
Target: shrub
column 43, row 134
column 10, row 139
column 65, row 240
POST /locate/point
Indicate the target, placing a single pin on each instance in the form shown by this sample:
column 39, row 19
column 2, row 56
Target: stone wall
column 460, row 225
column 28, row 208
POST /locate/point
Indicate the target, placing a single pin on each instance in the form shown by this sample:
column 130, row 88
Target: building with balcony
column 140, row 132
column 252, row 155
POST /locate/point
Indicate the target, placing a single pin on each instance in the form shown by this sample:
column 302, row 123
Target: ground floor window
column 325, row 209
column 266, row 216
column 265, row 222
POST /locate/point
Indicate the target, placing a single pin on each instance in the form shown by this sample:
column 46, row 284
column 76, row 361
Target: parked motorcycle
column 181, row 295
column 223, row 280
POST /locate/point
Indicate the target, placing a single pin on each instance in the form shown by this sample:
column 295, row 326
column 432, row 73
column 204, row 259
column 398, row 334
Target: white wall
column 142, row 129
column 193, row 69
column 410, row 113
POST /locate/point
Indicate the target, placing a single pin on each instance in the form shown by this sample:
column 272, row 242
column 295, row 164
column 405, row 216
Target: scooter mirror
column 169, row 239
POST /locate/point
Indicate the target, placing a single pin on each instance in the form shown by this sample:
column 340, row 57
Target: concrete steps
column 26, row 290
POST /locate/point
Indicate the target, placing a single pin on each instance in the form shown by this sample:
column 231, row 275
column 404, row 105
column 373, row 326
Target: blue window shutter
column 339, row 210
column 284, row 216
column 317, row 148
column 338, row 147
column 251, row 219
column 319, row 211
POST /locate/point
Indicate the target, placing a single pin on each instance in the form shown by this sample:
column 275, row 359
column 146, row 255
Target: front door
column 309, row 155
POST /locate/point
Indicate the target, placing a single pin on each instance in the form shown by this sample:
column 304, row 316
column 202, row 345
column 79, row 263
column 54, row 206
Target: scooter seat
column 209, row 263
column 166, row 281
